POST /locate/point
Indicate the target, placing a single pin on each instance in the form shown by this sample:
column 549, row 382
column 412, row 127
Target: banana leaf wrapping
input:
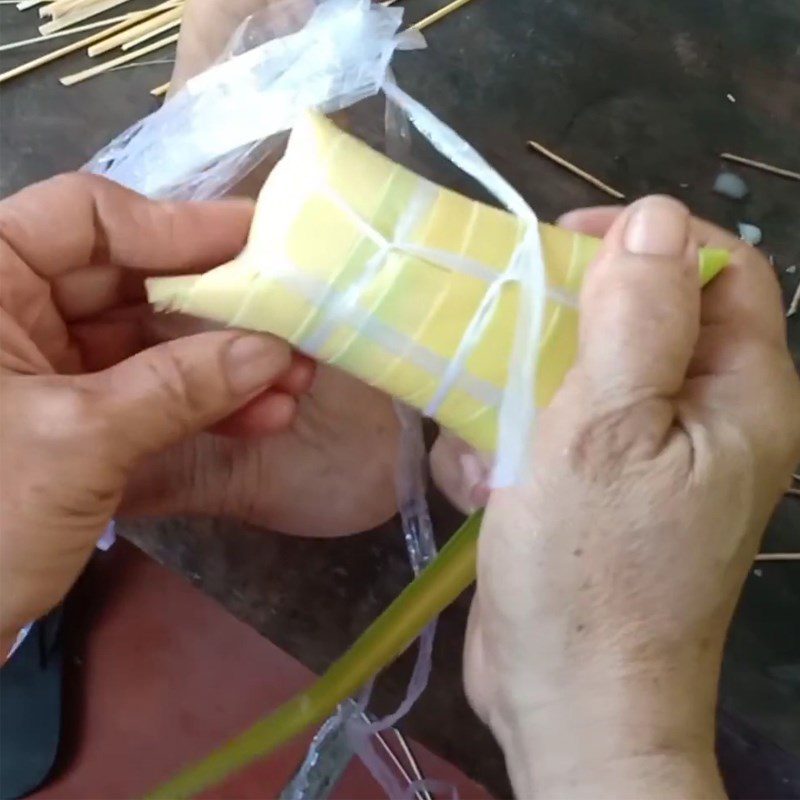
column 365, row 265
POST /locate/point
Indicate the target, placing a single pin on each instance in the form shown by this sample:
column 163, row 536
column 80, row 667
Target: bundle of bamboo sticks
column 130, row 33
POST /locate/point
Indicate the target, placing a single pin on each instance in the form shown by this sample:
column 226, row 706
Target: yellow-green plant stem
column 391, row 633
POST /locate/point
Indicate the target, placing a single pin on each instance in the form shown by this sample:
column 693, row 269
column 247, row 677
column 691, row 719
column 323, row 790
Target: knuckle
column 64, row 414
column 70, row 182
column 607, row 444
column 12, row 223
column 58, row 420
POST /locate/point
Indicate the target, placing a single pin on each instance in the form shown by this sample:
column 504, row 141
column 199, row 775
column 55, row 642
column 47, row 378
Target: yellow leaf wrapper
column 362, row 264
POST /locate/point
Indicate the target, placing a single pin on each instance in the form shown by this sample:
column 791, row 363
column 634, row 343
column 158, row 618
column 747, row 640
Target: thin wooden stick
column 83, row 75
column 157, row 32
column 762, row 165
column 794, row 307
column 60, row 7
column 437, row 15
column 70, row 48
column 24, row 5
column 137, row 64
column 562, row 162
column 161, row 90
column 68, row 32
column 151, row 34
column 778, row 557
column 136, row 31
column 80, row 14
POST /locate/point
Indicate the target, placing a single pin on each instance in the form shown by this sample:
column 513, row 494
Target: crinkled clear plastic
column 334, row 56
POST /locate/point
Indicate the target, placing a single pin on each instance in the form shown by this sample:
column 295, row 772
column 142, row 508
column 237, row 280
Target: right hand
column 607, row 581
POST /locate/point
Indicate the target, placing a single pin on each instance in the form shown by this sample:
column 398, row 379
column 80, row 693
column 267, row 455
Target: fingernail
column 658, row 226
column 479, row 496
column 472, row 470
column 252, row 362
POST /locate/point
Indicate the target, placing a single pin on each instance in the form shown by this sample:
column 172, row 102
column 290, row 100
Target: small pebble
column 728, row 184
column 749, row 233
column 757, row 573
column 791, row 269
column 730, row 97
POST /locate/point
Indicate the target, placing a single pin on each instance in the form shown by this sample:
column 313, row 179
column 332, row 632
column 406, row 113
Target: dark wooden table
column 643, row 94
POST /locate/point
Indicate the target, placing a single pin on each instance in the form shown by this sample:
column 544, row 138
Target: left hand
column 83, row 401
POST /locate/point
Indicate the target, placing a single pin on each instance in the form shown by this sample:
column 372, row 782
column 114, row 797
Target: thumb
column 169, row 392
column 640, row 304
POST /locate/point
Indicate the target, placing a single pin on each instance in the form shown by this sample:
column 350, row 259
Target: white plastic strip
column 194, row 142
column 527, row 269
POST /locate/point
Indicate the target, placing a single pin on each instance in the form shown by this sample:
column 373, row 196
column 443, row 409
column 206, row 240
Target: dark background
column 636, row 93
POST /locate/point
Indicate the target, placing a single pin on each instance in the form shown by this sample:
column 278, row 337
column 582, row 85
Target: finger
column 299, row 377
column 640, row 304
column 274, row 410
column 164, row 394
column 594, row 221
column 105, row 343
column 90, row 291
column 745, row 297
column 162, row 327
column 745, row 294
column 271, row 412
column 79, row 220
column 460, row 473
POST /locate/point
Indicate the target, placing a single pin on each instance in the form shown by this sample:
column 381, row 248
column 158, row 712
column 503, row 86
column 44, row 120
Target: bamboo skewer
column 794, row 307
column 437, row 15
column 62, row 7
column 83, row 75
column 778, row 557
column 762, row 165
column 67, row 32
column 80, row 14
column 137, row 64
column 24, row 5
column 151, row 34
column 70, row 48
column 568, row 165
column 168, row 12
column 58, row 7
column 160, row 91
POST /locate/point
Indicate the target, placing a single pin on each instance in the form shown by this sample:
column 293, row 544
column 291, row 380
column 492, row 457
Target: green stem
column 383, row 641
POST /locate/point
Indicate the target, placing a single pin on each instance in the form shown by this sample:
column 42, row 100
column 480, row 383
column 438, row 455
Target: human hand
column 83, row 402
column 606, row 583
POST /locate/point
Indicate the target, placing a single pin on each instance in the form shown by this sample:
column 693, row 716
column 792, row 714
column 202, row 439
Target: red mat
column 162, row 675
